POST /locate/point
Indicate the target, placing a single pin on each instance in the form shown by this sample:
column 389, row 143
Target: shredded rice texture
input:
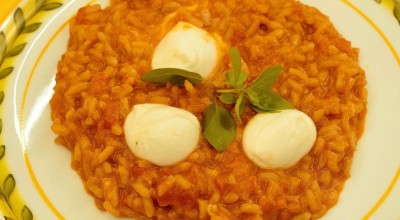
column 97, row 84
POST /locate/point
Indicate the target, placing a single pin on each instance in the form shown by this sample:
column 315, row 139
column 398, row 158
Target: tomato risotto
column 98, row 83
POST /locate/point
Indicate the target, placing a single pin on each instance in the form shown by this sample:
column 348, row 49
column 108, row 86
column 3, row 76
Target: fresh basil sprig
column 219, row 127
column 259, row 93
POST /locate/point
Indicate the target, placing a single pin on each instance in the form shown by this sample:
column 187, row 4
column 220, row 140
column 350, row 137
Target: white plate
column 47, row 188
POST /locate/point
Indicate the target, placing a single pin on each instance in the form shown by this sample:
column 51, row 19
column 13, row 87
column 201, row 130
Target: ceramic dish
column 36, row 180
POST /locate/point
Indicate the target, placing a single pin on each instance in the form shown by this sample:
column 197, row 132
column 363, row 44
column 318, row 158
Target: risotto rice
column 97, row 84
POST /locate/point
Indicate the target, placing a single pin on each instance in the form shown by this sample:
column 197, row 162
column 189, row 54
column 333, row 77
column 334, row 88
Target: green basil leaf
column 240, row 107
column 268, row 101
column 236, row 80
column 219, row 127
column 8, row 186
column 236, row 60
column 253, row 97
column 172, row 75
column 231, row 77
column 236, row 77
column 227, row 98
column 26, row 213
column 255, row 108
column 265, row 80
column 2, row 151
column 242, row 78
